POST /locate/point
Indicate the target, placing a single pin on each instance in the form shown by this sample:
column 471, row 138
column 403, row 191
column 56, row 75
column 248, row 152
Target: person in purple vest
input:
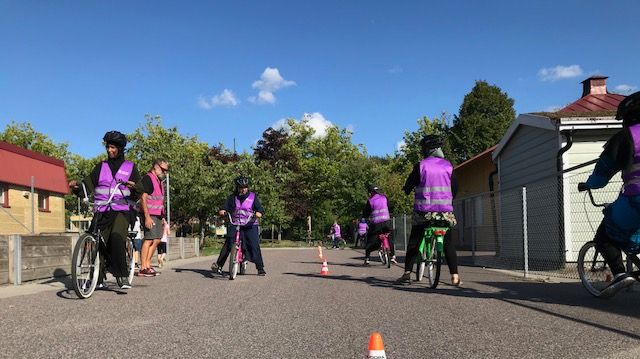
column 377, row 210
column 336, row 234
column 620, row 226
column 435, row 187
column 119, row 175
column 153, row 213
column 362, row 229
column 242, row 205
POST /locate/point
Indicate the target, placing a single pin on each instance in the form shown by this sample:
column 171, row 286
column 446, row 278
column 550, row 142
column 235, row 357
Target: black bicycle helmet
column 430, row 142
column 373, row 188
column 241, row 182
column 115, row 138
column 629, row 110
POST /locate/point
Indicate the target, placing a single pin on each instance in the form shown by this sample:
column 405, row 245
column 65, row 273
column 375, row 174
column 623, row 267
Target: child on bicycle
column 336, row 234
column 242, row 204
column 620, row 226
column 377, row 210
column 363, row 227
column 435, row 187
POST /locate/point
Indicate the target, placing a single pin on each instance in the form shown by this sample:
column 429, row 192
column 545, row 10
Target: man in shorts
column 152, row 210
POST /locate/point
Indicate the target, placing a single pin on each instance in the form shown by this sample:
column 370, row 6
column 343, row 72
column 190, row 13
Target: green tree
column 410, row 153
column 485, row 115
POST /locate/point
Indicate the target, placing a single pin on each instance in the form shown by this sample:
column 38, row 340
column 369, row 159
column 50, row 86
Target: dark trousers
column 373, row 243
column 115, row 237
column 611, row 253
column 250, row 245
column 417, row 231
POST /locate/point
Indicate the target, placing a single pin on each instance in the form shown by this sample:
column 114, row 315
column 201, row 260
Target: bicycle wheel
column 243, row 268
column 387, row 257
column 420, row 265
column 592, row 269
column 85, row 268
column 233, row 263
column 131, row 265
column 342, row 244
column 382, row 257
column 433, row 265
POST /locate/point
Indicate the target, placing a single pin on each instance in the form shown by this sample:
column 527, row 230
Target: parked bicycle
column 385, row 249
column 88, row 261
column 593, row 269
column 431, row 251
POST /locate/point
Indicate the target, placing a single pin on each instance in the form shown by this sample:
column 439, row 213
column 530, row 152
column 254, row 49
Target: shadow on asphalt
column 207, row 273
column 522, row 294
column 69, row 294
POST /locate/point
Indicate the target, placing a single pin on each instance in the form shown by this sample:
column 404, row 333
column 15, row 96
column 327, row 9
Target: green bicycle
column 430, row 252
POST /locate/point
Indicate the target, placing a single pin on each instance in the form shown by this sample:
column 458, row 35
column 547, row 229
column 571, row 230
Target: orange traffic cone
column 325, row 268
column 376, row 347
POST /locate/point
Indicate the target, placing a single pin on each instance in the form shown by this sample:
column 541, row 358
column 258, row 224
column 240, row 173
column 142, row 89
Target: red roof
column 19, row 164
column 479, row 155
column 592, row 103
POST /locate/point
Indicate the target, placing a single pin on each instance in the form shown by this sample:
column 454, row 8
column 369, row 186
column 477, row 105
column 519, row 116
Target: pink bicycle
column 237, row 261
column 385, row 249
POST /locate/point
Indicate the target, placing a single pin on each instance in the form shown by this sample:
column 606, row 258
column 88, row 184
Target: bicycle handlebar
column 593, row 202
column 239, row 223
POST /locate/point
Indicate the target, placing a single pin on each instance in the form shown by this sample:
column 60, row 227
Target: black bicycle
column 88, row 261
column 593, row 270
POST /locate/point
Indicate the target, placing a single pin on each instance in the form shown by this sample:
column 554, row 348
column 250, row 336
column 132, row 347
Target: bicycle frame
column 425, row 243
column 239, row 257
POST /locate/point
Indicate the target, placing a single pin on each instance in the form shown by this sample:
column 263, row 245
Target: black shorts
column 162, row 247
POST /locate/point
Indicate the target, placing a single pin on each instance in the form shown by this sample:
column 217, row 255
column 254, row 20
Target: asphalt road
column 294, row 312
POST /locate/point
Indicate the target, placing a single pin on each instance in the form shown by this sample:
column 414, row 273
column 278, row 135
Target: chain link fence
column 536, row 229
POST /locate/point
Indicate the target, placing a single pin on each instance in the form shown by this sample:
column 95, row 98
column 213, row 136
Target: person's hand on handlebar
column 222, row 212
column 258, row 215
column 582, row 186
column 73, row 184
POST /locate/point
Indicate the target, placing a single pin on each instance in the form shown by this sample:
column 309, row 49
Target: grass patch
column 212, row 246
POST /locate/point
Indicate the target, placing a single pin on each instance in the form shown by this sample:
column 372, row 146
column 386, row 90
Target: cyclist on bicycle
column 435, row 187
column 363, row 227
column 619, row 227
column 377, row 210
column 336, row 234
column 119, row 175
column 242, row 204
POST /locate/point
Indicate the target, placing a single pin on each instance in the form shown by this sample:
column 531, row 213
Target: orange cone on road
column 325, row 268
column 376, row 347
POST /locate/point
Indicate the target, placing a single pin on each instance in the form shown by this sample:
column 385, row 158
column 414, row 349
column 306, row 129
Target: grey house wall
column 529, row 160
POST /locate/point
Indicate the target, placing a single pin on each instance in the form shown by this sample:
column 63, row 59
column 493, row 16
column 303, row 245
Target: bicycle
column 593, row 270
column 329, row 243
column 88, row 257
column 431, row 251
column 385, row 249
column 237, row 262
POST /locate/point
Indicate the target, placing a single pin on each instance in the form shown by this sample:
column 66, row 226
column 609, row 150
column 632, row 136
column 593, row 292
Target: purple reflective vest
column 434, row 192
column 155, row 201
column 362, row 228
column 631, row 174
column 244, row 210
column 379, row 209
column 107, row 184
column 336, row 230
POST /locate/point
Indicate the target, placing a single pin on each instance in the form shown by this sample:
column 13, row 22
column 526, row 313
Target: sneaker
column 618, row 284
column 101, row 286
column 216, row 268
column 125, row 283
column 261, row 272
column 405, row 279
column 366, row 262
column 393, row 260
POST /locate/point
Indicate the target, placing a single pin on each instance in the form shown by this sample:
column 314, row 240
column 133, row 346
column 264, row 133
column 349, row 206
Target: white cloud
column 395, row 70
column 315, row 120
column 553, row 108
column 400, row 145
column 226, row 98
column 559, row 72
column 270, row 82
column 625, row 89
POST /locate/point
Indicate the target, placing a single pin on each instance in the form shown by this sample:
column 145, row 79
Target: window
column 43, row 201
column 4, row 195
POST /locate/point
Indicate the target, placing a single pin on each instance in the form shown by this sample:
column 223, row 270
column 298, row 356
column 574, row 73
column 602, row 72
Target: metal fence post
column 524, row 232
column 404, row 230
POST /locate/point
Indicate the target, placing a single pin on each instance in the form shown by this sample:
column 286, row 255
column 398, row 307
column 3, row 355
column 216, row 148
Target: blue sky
column 230, row 69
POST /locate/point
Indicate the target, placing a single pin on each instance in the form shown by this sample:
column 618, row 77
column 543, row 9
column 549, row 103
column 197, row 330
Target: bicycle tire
column 387, row 258
column 342, row 244
column 438, row 267
column 381, row 256
column 233, row 263
column 85, row 267
column 243, row 268
column 420, row 265
column 592, row 269
column 433, row 264
column 131, row 265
